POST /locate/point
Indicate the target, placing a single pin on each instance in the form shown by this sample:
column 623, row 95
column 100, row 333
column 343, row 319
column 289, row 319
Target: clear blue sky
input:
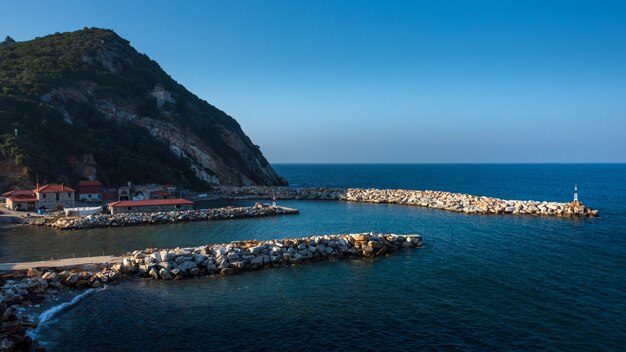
column 387, row 81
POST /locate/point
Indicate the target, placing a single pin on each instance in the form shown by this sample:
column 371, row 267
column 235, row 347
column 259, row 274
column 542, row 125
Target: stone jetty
column 457, row 202
column 27, row 288
column 227, row 259
column 170, row 217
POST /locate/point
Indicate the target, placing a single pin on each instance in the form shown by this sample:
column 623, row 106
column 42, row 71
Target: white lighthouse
column 576, row 194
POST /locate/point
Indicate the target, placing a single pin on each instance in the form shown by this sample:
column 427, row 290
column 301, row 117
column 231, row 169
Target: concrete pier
column 58, row 263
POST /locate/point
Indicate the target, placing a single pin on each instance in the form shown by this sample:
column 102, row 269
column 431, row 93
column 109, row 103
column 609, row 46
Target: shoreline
column 439, row 200
column 32, row 288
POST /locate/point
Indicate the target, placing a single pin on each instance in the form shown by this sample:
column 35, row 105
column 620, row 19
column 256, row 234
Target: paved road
column 8, row 216
column 57, row 263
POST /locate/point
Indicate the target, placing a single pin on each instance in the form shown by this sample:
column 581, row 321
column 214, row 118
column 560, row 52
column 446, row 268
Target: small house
column 54, row 195
column 90, row 191
column 149, row 205
column 22, row 200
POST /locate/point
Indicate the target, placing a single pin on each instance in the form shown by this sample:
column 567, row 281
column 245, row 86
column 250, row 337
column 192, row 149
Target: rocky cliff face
column 90, row 99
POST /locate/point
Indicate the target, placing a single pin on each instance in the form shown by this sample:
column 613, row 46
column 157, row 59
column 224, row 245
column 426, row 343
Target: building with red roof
column 19, row 192
column 53, row 188
column 21, row 199
column 54, row 196
column 149, row 205
column 90, row 190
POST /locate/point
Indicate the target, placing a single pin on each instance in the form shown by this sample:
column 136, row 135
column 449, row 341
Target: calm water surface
column 480, row 282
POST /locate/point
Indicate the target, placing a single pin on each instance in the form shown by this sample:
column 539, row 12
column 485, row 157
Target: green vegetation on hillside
column 50, row 133
column 44, row 141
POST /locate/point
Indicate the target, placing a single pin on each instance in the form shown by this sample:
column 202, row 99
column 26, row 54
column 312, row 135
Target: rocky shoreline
column 170, row 217
column 29, row 288
column 457, row 202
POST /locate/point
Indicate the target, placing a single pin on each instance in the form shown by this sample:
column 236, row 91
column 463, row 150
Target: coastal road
column 57, row 263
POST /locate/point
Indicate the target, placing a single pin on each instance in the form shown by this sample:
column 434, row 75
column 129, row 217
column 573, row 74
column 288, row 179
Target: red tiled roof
column 53, row 189
column 22, row 199
column 143, row 203
column 89, row 183
column 19, row 192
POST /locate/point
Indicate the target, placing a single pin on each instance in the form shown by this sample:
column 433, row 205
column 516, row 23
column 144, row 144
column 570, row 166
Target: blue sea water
column 481, row 282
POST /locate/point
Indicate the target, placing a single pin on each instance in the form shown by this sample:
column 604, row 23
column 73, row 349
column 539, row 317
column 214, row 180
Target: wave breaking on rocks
column 28, row 287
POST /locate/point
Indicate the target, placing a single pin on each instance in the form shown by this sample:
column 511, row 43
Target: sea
column 480, row 283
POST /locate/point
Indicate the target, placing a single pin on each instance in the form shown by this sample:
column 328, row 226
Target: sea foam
column 50, row 313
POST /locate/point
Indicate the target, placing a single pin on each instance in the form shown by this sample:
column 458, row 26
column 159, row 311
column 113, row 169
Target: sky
column 384, row 81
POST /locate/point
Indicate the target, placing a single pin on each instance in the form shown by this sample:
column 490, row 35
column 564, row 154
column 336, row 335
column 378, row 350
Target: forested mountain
column 86, row 104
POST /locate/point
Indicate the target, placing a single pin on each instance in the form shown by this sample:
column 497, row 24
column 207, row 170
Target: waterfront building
column 22, row 200
column 54, row 196
column 90, row 190
column 150, row 205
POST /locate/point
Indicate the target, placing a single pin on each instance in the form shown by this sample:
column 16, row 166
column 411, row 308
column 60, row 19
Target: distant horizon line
column 452, row 163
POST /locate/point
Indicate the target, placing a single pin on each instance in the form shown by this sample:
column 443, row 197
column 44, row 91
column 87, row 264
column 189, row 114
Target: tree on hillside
column 8, row 39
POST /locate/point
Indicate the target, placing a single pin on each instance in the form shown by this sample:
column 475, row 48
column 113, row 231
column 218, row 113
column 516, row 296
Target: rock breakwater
column 457, row 202
column 170, row 217
column 227, row 259
column 27, row 288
